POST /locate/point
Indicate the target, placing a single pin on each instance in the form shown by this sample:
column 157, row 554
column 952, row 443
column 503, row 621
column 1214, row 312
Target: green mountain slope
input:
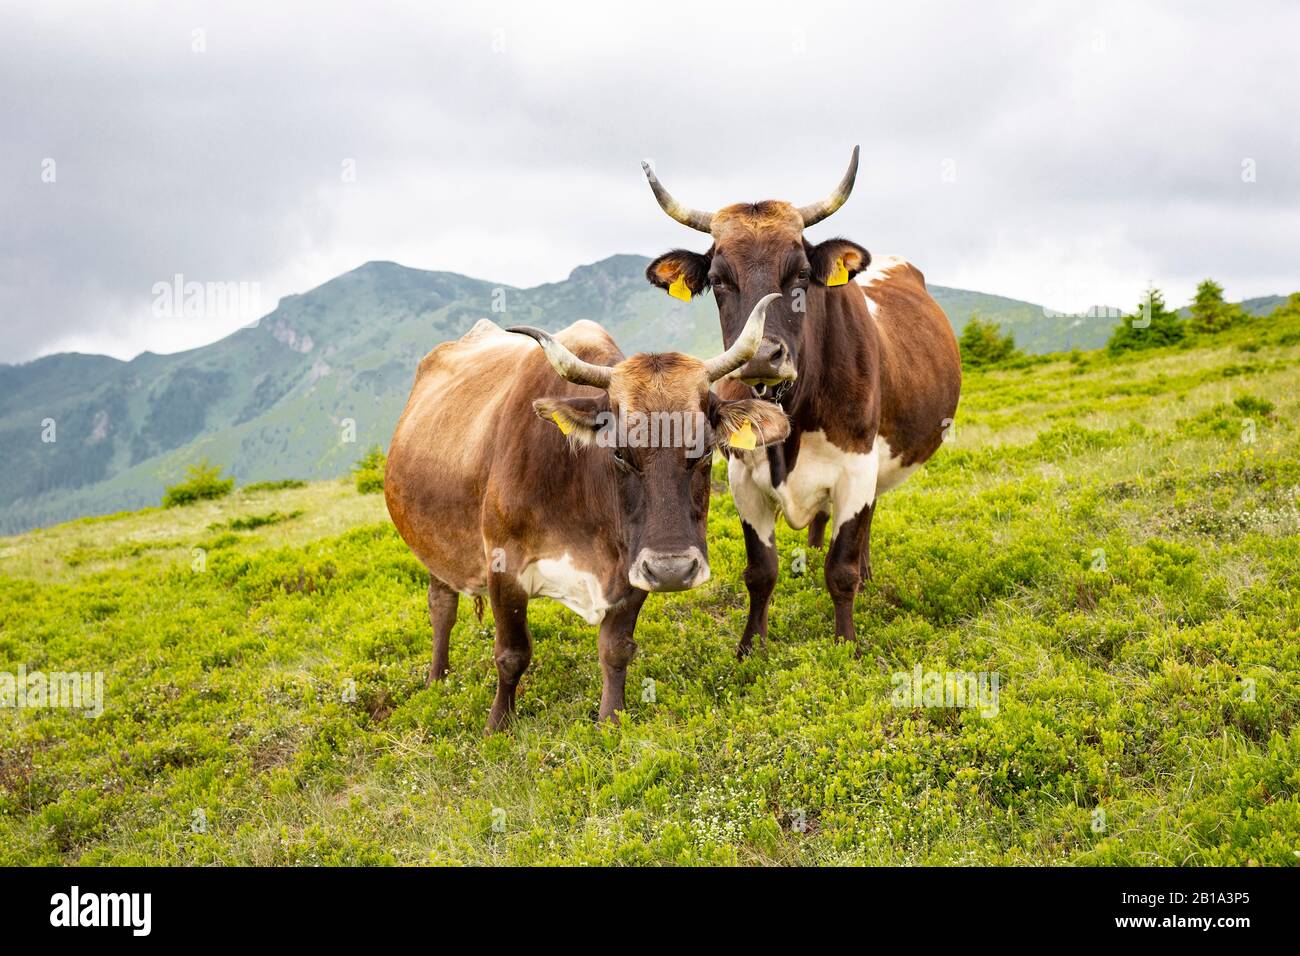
column 326, row 374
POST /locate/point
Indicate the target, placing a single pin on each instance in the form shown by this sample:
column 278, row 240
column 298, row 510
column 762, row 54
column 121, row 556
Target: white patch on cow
column 757, row 508
column 881, row 268
column 872, row 309
column 891, row 472
column 560, row 579
column 823, row 475
column 856, row 487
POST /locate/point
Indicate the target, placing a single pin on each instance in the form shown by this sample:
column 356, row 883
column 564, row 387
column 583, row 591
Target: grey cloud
column 1094, row 147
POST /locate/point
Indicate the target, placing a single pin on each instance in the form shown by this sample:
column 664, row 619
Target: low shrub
column 202, row 482
column 280, row 485
column 369, row 471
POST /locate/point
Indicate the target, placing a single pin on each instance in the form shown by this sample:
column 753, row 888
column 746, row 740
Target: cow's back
column 920, row 366
column 470, row 415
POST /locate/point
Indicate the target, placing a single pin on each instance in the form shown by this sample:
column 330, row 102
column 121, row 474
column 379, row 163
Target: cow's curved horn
column 703, row 221
column 820, row 210
column 569, row 366
column 746, row 344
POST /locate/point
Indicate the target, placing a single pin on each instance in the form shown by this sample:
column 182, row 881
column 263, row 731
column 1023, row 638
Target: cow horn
column 746, row 344
column 569, row 366
column 820, row 210
column 703, row 221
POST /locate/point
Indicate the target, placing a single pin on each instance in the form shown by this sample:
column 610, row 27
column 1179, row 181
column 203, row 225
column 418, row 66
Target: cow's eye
column 719, row 285
column 804, row 275
column 621, row 459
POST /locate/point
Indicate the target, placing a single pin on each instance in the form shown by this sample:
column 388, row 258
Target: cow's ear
column 747, row 424
column 578, row 419
column 836, row 261
column 682, row 272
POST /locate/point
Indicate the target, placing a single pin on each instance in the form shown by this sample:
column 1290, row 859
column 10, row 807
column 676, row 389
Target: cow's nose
column 669, row 571
column 771, row 364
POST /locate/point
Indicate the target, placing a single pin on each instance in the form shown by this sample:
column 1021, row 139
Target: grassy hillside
column 327, row 373
column 1100, row 533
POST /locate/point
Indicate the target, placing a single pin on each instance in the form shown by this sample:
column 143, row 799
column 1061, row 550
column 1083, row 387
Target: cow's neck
column 838, row 368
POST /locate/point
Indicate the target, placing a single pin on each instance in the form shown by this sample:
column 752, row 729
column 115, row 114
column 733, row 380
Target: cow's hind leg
column 513, row 648
column 864, row 562
column 442, row 616
column 817, row 530
column 616, row 651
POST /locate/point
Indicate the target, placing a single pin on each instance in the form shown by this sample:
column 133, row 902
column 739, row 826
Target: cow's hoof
column 498, row 721
column 851, row 639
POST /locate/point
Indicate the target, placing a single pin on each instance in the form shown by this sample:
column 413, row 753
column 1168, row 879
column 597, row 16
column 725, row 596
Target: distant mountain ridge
column 282, row 398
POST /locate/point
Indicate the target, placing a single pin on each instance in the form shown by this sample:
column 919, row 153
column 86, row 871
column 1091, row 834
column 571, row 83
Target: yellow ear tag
column 743, row 438
column 565, row 427
column 839, row 275
column 679, row 289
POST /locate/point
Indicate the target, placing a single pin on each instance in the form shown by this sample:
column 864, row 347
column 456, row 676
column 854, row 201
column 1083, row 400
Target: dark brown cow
column 509, row 481
column 868, row 372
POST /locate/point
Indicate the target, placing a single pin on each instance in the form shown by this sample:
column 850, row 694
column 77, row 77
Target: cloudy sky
column 1066, row 154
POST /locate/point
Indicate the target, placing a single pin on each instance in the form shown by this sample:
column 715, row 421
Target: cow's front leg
column 617, row 648
column 844, row 569
column 853, row 499
column 758, row 522
column 513, row 648
column 760, row 579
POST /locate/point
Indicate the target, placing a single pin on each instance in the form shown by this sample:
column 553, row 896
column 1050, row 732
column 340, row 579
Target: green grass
column 1098, row 533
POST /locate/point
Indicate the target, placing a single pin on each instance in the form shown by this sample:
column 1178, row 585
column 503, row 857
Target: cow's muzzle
column 771, row 365
column 668, row 571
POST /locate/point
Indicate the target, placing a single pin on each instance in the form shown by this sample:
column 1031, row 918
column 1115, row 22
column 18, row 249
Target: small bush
column 249, row 522
column 1151, row 326
column 1253, row 405
column 982, row 343
column 1227, row 421
column 1209, row 313
column 369, row 471
column 202, row 481
column 275, row 485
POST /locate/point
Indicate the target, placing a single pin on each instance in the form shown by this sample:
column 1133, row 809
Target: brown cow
column 591, row 488
column 868, row 373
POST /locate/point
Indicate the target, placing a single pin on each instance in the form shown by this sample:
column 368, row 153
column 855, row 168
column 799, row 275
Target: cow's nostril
column 670, row 571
